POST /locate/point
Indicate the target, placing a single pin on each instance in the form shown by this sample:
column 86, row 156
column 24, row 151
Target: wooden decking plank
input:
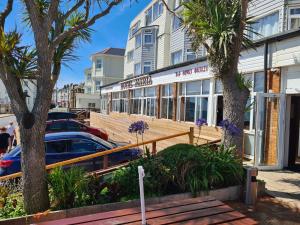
column 212, row 205
column 131, row 211
column 186, row 216
column 245, row 221
column 212, row 219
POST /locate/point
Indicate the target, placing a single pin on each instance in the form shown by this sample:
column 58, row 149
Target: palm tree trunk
column 35, row 188
column 235, row 100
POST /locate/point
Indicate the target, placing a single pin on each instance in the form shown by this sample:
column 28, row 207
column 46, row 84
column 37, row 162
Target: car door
column 81, row 147
column 57, row 151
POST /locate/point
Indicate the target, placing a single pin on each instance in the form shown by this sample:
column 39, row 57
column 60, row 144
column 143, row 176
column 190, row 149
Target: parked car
column 61, row 115
column 54, row 126
column 68, row 145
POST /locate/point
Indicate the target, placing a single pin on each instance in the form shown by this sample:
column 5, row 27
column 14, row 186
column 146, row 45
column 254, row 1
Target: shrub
column 124, row 184
column 68, row 188
column 202, row 168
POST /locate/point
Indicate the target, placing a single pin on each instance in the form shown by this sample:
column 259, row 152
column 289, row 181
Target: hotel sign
column 137, row 82
column 199, row 69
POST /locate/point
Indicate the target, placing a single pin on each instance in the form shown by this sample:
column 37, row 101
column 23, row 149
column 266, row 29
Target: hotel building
column 165, row 79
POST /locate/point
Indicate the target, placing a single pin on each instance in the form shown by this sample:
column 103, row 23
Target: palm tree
column 222, row 28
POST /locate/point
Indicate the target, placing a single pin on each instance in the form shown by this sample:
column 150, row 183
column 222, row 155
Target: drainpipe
column 266, row 52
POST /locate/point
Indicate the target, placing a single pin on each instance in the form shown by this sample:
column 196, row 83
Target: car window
column 56, row 126
column 57, row 146
column 80, row 145
column 73, row 126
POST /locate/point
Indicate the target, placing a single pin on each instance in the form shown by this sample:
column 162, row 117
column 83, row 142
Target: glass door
column 269, row 131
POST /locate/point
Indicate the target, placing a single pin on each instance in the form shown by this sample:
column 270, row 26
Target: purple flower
column 230, row 127
column 138, row 127
column 200, row 122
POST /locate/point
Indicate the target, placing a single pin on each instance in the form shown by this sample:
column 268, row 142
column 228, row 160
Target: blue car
column 68, row 145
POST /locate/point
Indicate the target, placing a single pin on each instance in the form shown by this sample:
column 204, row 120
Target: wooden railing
column 105, row 154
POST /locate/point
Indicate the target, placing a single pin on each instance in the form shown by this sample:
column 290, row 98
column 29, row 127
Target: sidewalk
column 5, row 115
column 283, row 185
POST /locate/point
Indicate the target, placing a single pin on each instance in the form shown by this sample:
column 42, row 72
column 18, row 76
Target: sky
column 109, row 31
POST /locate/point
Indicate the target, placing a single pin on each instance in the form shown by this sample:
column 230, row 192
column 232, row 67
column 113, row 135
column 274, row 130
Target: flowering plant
column 138, row 128
column 199, row 123
column 230, row 127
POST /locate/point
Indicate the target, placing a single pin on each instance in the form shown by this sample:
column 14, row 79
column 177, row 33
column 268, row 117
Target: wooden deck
column 204, row 210
column 116, row 125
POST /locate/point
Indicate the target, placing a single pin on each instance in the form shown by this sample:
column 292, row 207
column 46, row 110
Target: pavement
column 6, row 118
column 283, row 185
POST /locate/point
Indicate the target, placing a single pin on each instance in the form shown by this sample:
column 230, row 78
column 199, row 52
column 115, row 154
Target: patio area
column 205, row 210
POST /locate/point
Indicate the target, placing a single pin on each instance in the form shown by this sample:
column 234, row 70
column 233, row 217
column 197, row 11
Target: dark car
column 64, row 125
column 68, row 145
column 61, row 115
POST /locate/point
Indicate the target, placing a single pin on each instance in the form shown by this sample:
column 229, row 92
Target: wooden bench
column 204, row 210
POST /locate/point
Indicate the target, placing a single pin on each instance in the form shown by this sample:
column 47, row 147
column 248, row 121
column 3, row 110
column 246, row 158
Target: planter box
column 224, row 194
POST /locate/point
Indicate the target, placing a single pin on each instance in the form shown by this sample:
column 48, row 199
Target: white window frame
column 190, row 51
column 140, row 68
column 97, row 64
column 97, row 86
column 147, row 21
column 130, row 55
column 148, row 33
column 138, row 44
column 180, row 24
column 168, row 97
column 173, row 53
column 149, row 64
column 290, row 16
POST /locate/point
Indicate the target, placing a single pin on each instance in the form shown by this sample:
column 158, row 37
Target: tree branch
column 73, row 9
column 171, row 11
column 52, row 12
column 4, row 14
column 84, row 24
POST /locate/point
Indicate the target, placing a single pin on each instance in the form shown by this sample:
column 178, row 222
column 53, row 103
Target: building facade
column 184, row 89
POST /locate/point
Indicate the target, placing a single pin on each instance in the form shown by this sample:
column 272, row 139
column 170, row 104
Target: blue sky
column 109, row 31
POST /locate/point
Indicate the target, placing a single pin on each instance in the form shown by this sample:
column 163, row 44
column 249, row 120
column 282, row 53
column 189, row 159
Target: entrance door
column 269, row 131
column 294, row 134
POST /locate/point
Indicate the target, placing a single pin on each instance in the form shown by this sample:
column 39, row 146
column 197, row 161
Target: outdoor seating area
column 205, row 210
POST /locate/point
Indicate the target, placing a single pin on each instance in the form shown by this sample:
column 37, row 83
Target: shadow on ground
column 269, row 211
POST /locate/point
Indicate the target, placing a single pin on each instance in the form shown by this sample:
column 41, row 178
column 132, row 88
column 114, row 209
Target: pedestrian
column 11, row 130
column 4, row 140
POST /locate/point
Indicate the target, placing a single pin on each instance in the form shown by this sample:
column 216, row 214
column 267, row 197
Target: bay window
column 167, row 101
column 265, row 26
column 148, row 37
column 98, row 63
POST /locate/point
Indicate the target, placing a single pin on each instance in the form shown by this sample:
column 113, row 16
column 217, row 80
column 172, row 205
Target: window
column 176, row 57
column 98, row 85
column 148, row 37
column 55, row 126
column 81, row 145
column 130, row 56
column 158, row 9
column 259, row 82
column 98, row 63
column 57, row 146
column 167, row 101
column 294, row 18
column 91, row 105
column 218, row 87
column 134, row 28
column 193, row 100
column 73, row 126
column 137, row 69
column 265, row 26
column 149, row 18
column 176, row 23
column 149, row 101
column 89, row 90
column 89, row 77
column 190, row 55
column 147, row 67
column 116, row 101
column 136, row 105
column 138, row 40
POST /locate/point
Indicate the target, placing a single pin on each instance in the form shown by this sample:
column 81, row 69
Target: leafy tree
column 222, row 28
column 57, row 31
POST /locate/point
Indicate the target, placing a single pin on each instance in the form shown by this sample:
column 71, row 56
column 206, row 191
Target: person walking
column 11, row 130
column 4, row 141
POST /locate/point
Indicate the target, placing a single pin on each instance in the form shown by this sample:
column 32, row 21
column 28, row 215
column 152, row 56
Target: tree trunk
column 235, row 100
column 35, row 189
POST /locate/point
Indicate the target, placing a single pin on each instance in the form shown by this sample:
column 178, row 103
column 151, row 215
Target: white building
column 179, row 84
column 29, row 88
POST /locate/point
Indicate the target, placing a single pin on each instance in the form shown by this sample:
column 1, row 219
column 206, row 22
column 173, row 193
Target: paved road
column 5, row 120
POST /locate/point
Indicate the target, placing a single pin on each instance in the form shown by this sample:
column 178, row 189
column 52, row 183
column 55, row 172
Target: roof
column 112, row 51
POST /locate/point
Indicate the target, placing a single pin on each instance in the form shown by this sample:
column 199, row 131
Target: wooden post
column 191, row 136
column 154, row 148
column 105, row 161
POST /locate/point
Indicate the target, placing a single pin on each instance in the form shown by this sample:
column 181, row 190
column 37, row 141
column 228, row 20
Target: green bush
column 202, row 168
column 68, row 188
column 124, row 183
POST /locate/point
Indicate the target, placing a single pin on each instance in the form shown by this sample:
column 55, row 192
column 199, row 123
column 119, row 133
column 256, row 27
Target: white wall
column 83, row 100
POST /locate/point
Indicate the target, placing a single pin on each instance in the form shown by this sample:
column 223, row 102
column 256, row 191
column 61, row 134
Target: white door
column 269, row 131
